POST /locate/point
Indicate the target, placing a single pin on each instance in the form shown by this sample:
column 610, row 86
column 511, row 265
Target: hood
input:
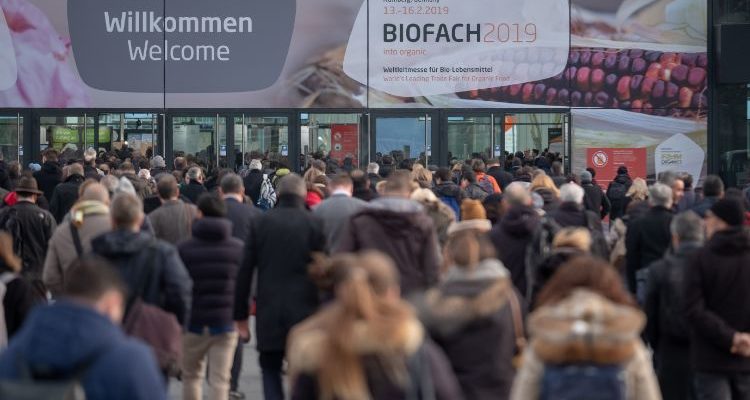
column 396, row 204
column 466, row 296
column 60, row 336
column 623, row 179
column 396, row 223
column 585, row 327
column 212, row 229
column 120, row 243
column 730, row 241
column 448, row 189
column 520, row 221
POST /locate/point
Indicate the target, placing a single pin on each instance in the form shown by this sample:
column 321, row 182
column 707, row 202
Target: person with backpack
column 485, row 181
column 17, row 297
column 470, row 188
column 254, row 180
column 447, row 191
column 75, row 348
column 173, row 220
column 50, row 174
column 594, row 199
column 616, row 193
column 474, row 305
column 31, row 228
column 212, row 257
column 66, row 193
column 585, row 339
column 667, row 330
column 367, row 343
column 72, row 239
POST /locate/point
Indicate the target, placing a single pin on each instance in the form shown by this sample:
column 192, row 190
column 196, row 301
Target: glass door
column 400, row 140
column 469, row 137
column 200, row 139
column 333, row 138
column 70, row 135
column 263, row 138
column 11, row 137
column 141, row 131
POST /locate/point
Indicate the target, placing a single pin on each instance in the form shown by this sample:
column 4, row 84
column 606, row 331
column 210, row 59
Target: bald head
column 95, row 192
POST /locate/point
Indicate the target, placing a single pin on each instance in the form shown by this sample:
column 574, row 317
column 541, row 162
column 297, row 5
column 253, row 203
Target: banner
column 345, row 143
column 606, row 162
column 679, row 154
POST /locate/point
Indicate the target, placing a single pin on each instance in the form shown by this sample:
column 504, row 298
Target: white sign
column 679, row 154
column 447, row 46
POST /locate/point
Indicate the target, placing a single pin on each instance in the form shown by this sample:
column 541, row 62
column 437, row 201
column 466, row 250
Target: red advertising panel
column 345, row 142
column 606, row 161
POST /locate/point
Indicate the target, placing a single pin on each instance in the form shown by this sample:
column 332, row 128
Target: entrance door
column 334, row 138
column 11, row 137
column 403, row 139
column 525, row 132
column 69, row 134
column 263, row 138
column 142, row 131
column 200, row 139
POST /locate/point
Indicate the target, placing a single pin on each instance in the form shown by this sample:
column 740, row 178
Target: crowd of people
column 491, row 279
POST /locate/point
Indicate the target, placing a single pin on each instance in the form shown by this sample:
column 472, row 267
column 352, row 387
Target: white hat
column 256, row 164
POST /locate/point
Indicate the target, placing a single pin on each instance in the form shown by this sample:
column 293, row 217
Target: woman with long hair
column 545, row 187
column 585, row 333
column 475, row 316
column 367, row 343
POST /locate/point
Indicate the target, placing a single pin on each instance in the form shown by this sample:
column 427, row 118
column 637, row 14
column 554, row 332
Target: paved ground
column 250, row 382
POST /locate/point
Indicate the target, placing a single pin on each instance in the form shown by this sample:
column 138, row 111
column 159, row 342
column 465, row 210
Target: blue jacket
column 59, row 337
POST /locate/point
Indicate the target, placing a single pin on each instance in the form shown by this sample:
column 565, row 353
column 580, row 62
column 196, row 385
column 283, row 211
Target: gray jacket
column 335, row 212
column 173, row 221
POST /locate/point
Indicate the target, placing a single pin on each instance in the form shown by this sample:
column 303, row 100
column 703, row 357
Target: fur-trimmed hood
column 464, row 297
column 585, row 327
column 307, row 342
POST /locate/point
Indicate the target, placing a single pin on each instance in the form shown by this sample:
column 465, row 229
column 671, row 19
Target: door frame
column 292, row 123
column 364, row 133
column 438, row 142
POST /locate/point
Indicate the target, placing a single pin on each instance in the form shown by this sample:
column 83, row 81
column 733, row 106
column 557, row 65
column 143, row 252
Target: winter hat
column 256, row 165
column 730, row 211
column 472, row 209
column 34, row 167
column 586, row 177
column 158, row 162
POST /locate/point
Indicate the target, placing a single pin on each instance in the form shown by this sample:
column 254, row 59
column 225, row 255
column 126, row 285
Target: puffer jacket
column 611, row 336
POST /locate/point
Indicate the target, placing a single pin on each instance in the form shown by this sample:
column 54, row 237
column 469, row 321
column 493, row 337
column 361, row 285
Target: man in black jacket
column 194, row 187
column 495, row 170
column 713, row 191
column 648, row 238
column 616, row 192
column 717, row 293
column 571, row 213
column 594, row 198
column 150, row 267
column 50, row 175
column 280, row 248
column 31, row 228
column 66, row 193
column 667, row 327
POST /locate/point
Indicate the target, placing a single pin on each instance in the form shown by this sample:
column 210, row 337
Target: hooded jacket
column 136, row 253
column 31, row 228
column 48, row 178
column 449, row 190
column 466, row 312
column 64, row 196
column 63, row 336
column 401, row 229
column 610, row 335
column 511, row 238
column 622, row 183
column 717, row 291
column 253, row 182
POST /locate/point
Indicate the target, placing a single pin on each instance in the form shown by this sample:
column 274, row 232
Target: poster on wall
column 345, row 143
column 606, row 161
column 679, row 154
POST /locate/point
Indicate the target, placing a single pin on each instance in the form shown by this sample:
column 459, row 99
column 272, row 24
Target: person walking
column 717, row 288
column 194, row 184
column 447, row 191
column 279, row 248
column 136, row 254
column 648, row 238
column 398, row 227
column 19, row 297
column 72, row 239
column 66, row 193
column 212, row 258
column 254, row 180
column 572, row 213
column 616, row 193
column 713, row 191
column 336, row 210
column 594, row 199
column 667, row 330
column 50, row 175
column 173, row 220
column 79, row 339
column 31, row 228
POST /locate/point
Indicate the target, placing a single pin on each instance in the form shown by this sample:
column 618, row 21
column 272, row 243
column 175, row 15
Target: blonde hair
column 311, row 175
column 542, row 181
column 421, row 174
column 577, row 238
column 638, row 190
column 467, row 248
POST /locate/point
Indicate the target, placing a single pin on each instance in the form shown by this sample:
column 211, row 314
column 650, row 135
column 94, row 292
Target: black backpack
column 539, row 249
column 617, row 191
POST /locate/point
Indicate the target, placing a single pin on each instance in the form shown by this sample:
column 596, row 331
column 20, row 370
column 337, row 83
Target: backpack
column 486, row 184
column 453, row 204
column 31, row 387
column 583, row 382
column 540, row 248
column 9, row 223
column 616, row 192
column 5, row 279
column 267, row 195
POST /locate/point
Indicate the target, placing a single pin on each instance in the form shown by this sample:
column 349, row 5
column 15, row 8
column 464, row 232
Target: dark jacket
column 543, row 272
column 212, row 258
column 19, row 299
column 475, row 192
column 646, row 241
column 279, row 248
column 48, row 178
column 407, row 235
column 253, row 182
column 620, row 185
column 374, row 179
column 449, row 190
column 365, row 194
column 31, row 228
column 595, row 200
column 242, row 217
column 717, row 292
column 511, row 238
column 90, row 172
column 572, row 215
column 465, row 313
column 193, row 190
column 136, row 253
column 64, row 335
column 502, row 177
column 5, row 181
column 704, row 205
column 64, row 196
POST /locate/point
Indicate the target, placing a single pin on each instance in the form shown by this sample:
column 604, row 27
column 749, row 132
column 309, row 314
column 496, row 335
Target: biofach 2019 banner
column 645, row 56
